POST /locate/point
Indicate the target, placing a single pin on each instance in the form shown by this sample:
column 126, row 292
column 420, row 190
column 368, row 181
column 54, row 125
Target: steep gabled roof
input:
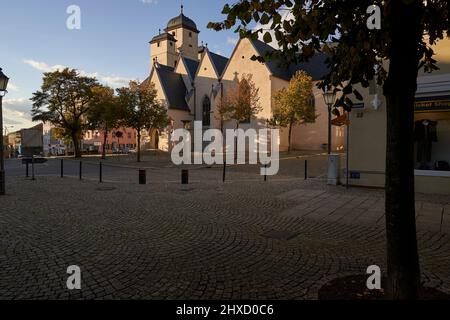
column 163, row 36
column 173, row 86
column 191, row 66
column 315, row 67
column 219, row 62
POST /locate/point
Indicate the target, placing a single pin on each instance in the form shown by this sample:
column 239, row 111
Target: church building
column 191, row 79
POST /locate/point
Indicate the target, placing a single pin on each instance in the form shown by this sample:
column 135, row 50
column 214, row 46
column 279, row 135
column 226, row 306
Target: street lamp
column 330, row 99
column 3, row 85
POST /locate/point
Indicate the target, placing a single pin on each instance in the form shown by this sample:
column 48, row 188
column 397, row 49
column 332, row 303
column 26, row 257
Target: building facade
column 53, row 146
column 190, row 80
column 117, row 140
column 367, row 147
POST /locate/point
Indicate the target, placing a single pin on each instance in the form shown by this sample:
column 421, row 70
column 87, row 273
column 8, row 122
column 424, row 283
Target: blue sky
column 112, row 43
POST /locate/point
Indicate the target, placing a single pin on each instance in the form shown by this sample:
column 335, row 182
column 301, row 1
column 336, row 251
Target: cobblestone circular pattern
column 160, row 242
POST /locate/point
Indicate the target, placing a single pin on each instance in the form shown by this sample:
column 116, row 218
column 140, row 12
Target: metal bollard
column 81, row 170
column 306, row 169
column 62, row 168
column 142, row 176
column 224, row 171
column 100, row 172
column 265, row 173
column 27, row 170
column 32, row 168
column 184, row 176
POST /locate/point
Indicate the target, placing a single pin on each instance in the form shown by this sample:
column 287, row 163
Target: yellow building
column 190, row 79
column 367, row 145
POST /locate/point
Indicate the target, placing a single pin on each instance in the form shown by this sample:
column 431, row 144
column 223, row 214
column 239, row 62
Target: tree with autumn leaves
column 74, row 103
column 141, row 109
column 64, row 100
column 105, row 114
column 294, row 105
column 359, row 55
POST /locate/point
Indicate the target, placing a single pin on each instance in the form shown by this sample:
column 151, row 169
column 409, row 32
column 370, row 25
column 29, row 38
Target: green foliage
column 295, row 104
column 64, row 100
column 313, row 26
column 141, row 109
column 106, row 112
column 358, row 55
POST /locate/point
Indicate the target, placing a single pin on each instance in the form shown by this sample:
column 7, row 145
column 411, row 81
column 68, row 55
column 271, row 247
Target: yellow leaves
column 294, row 104
column 241, row 102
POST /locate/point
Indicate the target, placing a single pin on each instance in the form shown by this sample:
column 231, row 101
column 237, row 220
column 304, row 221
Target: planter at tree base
column 354, row 288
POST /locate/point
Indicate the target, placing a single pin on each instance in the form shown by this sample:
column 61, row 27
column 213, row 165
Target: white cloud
column 42, row 66
column 17, row 113
column 21, row 105
column 232, row 40
column 111, row 80
column 12, row 87
column 149, row 1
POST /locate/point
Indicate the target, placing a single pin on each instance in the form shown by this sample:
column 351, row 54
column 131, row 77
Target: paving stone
column 213, row 242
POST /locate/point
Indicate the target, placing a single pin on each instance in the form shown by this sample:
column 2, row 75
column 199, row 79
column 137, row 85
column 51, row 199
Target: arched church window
column 206, row 111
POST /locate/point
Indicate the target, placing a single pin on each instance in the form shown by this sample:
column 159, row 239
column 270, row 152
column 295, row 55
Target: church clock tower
column 180, row 37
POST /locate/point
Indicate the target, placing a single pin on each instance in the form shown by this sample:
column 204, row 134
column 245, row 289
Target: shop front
column 431, row 137
column 432, row 134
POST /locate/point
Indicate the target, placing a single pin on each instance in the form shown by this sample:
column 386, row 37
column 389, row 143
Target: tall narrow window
column 206, row 112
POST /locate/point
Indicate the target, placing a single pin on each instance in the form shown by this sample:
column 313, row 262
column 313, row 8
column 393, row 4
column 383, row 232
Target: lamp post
column 3, row 84
column 330, row 99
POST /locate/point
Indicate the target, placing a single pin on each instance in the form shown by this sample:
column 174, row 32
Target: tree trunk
column 399, row 89
column 235, row 143
column 76, row 145
column 139, row 146
column 290, row 138
column 105, row 137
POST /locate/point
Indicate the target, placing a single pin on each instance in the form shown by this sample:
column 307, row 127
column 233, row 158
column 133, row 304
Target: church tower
column 180, row 36
column 163, row 50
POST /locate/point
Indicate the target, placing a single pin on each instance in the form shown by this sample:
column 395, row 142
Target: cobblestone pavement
column 240, row 240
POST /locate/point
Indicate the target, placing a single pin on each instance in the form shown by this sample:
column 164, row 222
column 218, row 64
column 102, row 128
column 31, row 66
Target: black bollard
column 32, row 168
column 100, row 172
column 27, row 170
column 184, row 176
column 62, row 168
column 142, row 176
column 224, row 171
column 306, row 169
column 265, row 173
column 81, row 170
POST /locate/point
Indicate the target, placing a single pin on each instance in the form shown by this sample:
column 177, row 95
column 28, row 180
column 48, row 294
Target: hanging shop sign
column 432, row 104
column 358, row 106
